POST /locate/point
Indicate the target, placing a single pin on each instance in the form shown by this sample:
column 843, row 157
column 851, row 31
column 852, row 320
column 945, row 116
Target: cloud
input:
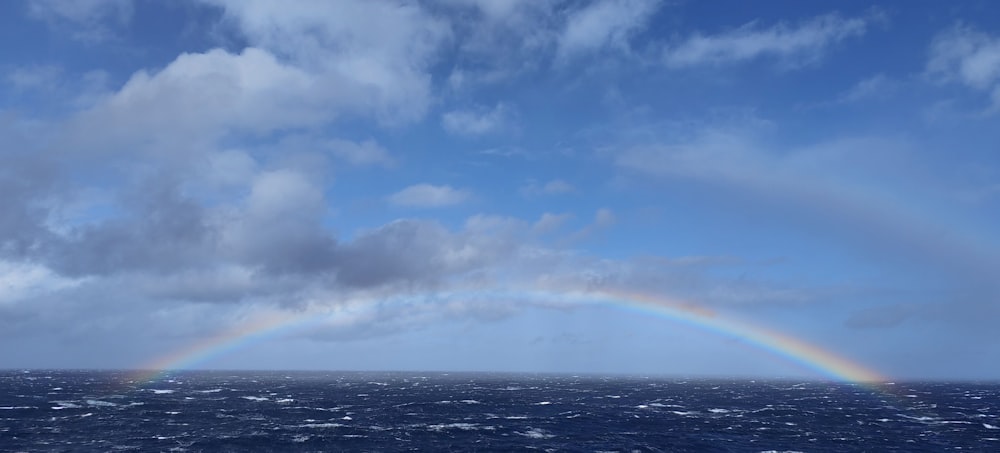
column 478, row 121
column 500, row 40
column 792, row 44
column 379, row 52
column 35, row 77
column 604, row 218
column 849, row 189
column 604, row 24
column 877, row 86
column 23, row 281
column 31, row 185
column 205, row 96
column 494, row 10
column 367, row 152
column 967, row 56
column 279, row 226
column 553, row 187
column 92, row 20
column 429, row 196
column 160, row 231
column 550, row 222
column 420, row 253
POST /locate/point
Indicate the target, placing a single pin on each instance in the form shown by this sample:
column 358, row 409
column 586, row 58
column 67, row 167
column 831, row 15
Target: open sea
column 410, row 411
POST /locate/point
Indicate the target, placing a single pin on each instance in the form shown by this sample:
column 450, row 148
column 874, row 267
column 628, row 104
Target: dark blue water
column 268, row 411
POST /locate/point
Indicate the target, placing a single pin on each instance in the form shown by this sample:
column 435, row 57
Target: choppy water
column 239, row 411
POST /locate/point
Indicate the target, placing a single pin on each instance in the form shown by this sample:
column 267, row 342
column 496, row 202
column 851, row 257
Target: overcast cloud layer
column 172, row 170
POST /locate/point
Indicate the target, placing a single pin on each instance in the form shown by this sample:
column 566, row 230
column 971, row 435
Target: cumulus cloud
column 161, row 231
column 793, row 44
column 379, row 52
column 279, row 227
column 967, row 56
column 429, row 196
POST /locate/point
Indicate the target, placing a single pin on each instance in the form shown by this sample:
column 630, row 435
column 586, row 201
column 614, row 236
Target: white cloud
column 91, row 18
column 499, row 40
column 19, row 281
column 873, row 87
column 477, row 121
column 207, row 95
column 494, row 10
column 378, row 50
column 550, row 222
column 803, row 43
column 553, row 187
column 367, row 152
column 429, row 196
column 604, row 218
column 969, row 57
column 557, row 186
column 603, row 24
column 37, row 77
column 230, row 168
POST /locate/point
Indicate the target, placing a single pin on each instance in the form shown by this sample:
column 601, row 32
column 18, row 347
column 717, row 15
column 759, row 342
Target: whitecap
column 322, row 425
column 254, row 398
column 65, row 405
column 100, row 403
column 461, row 426
column 535, row 433
column 161, row 391
column 989, row 426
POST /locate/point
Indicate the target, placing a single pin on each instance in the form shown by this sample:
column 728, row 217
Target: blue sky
column 172, row 170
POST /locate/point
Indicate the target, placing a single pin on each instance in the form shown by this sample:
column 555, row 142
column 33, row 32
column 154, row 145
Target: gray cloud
column 161, row 232
column 27, row 184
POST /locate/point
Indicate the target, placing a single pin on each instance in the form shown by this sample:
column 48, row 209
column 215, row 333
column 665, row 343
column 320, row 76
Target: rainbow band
column 821, row 361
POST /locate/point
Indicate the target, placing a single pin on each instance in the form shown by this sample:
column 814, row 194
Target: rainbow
column 809, row 356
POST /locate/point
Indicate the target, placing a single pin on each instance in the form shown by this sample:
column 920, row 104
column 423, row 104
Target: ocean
column 412, row 411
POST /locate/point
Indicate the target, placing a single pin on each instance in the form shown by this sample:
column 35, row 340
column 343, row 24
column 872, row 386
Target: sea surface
column 313, row 411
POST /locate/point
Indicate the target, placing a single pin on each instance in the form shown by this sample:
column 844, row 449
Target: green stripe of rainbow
column 824, row 362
